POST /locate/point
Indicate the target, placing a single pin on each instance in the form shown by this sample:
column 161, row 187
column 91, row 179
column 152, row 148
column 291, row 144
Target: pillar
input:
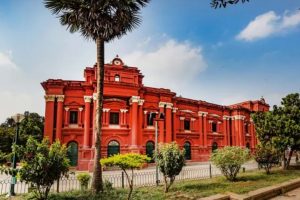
column 145, row 119
column 134, row 121
column 169, row 122
column 80, row 117
column 59, row 116
column 225, row 130
column 140, row 121
column 161, row 137
column 174, row 137
column 201, row 138
column 205, row 128
column 49, row 116
column 66, row 117
column 87, row 121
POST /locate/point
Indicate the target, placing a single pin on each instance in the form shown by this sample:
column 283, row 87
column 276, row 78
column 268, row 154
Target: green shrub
column 267, row 157
column 129, row 161
column 170, row 160
column 229, row 160
column 83, row 179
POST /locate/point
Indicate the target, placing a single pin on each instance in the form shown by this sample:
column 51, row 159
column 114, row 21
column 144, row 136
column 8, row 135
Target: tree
column 170, row 160
column 32, row 125
column 223, row 3
column 229, row 160
column 101, row 21
column 281, row 127
column 42, row 165
column 267, row 157
column 126, row 162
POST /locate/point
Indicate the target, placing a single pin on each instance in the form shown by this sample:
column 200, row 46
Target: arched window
column 73, row 153
column 187, row 148
column 214, row 147
column 113, row 148
column 150, row 150
column 117, row 78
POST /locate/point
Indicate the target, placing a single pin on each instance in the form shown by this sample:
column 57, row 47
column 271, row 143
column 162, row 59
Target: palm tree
column 101, row 21
column 223, row 3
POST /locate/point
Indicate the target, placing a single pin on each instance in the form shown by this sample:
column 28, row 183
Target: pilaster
column 49, row 116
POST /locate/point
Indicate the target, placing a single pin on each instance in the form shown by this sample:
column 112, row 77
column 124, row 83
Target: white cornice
column 60, row 98
column 123, row 110
column 238, row 117
column 87, row 99
column 201, row 113
column 214, row 115
column 134, row 99
column 49, row 98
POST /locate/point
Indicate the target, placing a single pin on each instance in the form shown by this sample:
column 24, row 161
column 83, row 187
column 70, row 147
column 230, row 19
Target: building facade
column 196, row 125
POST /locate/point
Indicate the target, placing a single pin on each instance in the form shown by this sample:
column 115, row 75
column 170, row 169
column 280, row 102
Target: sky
column 222, row 56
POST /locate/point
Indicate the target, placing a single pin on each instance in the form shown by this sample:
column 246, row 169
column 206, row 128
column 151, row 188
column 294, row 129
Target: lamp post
column 17, row 118
column 161, row 117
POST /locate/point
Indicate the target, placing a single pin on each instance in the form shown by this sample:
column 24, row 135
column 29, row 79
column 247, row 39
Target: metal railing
column 118, row 179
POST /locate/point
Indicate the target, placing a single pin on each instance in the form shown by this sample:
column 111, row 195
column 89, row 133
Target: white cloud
column 171, row 65
column 6, row 61
column 268, row 24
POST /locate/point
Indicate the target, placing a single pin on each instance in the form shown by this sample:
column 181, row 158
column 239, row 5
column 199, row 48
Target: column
column 228, row 131
column 94, row 119
column 225, row 131
column 205, row 128
column 145, row 119
column 161, row 137
column 140, row 121
column 174, row 124
column 66, row 116
column 105, row 116
column 49, row 116
column 80, row 117
column 87, row 121
column 134, row 129
column 201, row 138
column 169, row 122
column 181, row 124
column 59, row 116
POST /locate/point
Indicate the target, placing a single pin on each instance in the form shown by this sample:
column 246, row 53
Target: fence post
column 122, row 179
column 244, row 169
column 57, row 185
column 210, row 172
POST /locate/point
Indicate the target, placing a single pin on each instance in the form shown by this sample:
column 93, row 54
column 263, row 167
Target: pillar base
column 134, row 149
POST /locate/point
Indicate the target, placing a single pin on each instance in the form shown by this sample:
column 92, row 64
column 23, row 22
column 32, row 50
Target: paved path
column 292, row 195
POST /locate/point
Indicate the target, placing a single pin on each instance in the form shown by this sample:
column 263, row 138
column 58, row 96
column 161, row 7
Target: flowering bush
column 267, row 157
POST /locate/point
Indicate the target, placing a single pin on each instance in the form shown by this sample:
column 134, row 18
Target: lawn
column 193, row 189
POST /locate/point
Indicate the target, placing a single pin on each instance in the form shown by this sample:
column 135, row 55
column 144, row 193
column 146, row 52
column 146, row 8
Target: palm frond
column 223, row 3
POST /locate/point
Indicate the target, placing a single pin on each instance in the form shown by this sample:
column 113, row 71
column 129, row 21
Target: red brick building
column 196, row 125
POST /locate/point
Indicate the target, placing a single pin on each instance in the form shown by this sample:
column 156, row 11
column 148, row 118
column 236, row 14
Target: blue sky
column 222, row 56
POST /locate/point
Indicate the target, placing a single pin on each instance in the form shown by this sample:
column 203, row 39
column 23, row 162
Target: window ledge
column 114, row 126
column 150, row 127
column 73, row 126
column 187, row 131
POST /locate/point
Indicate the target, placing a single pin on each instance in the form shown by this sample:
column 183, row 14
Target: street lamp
column 156, row 118
column 17, row 118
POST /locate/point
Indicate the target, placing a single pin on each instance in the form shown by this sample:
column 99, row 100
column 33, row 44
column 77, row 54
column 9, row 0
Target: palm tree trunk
column 97, row 183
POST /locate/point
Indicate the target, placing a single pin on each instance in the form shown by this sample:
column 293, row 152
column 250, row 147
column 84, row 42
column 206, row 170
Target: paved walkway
column 292, row 195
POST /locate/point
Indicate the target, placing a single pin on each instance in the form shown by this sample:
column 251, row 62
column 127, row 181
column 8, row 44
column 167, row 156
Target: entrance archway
column 150, row 150
column 187, row 148
column 73, row 153
column 113, row 148
column 214, row 147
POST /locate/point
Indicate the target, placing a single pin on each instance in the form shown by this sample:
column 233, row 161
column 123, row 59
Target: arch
column 73, row 153
column 113, row 148
column 187, row 148
column 214, row 147
column 248, row 145
column 117, row 78
column 150, row 148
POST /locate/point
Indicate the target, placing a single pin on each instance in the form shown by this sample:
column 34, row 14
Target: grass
column 192, row 189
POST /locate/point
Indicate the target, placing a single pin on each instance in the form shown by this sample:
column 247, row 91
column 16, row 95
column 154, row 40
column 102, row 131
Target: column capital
column 80, row 109
column 201, row 113
column 181, row 118
column 60, row 98
column 251, row 120
column 87, row 99
column 49, row 98
column 193, row 119
column 123, row 110
column 67, row 109
column 239, row 117
column 134, row 99
column 169, row 105
column 174, row 110
column 145, row 112
column 106, row 109
column 226, row 117
column 141, row 102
